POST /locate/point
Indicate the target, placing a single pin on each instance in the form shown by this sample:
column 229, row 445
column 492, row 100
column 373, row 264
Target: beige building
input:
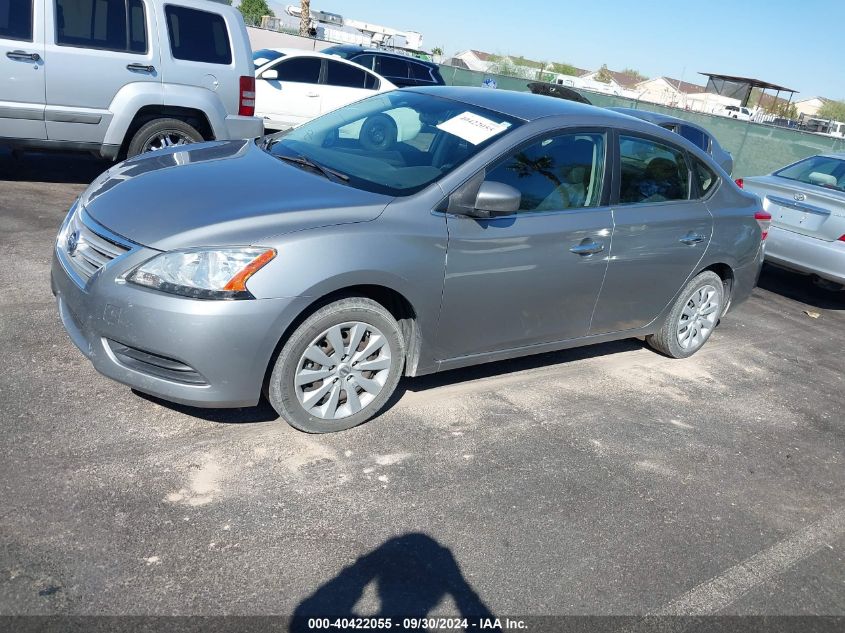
column 811, row 106
column 667, row 91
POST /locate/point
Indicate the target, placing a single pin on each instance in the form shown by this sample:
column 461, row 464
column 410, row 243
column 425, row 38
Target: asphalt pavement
column 601, row 480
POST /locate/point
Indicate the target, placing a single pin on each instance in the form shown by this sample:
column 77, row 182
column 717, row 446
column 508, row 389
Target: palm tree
column 305, row 17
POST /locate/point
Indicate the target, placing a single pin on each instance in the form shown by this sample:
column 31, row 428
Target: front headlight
column 203, row 273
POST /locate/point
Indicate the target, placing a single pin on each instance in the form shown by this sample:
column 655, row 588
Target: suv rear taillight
column 764, row 219
column 247, row 97
column 740, row 183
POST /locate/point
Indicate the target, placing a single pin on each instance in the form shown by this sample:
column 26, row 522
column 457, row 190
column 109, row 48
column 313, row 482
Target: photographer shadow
column 412, row 573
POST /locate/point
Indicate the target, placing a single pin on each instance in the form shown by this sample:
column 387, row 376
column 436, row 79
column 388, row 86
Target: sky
column 800, row 45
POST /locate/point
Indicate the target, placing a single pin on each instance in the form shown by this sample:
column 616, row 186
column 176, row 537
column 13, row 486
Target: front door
column 291, row 98
column 660, row 234
column 95, row 48
column 22, row 70
column 531, row 277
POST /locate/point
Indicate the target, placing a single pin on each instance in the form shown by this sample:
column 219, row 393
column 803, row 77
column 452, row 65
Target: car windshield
column 395, row 143
column 824, row 171
column 265, row 56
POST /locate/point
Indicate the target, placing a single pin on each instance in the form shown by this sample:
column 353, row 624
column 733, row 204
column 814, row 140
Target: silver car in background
column 320, row 266
column 807, row 203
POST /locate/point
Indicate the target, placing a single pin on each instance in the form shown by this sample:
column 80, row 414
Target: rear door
column 93, row 49
column 345, row 83
column 806, row 198
column 294, row 97
column 660, row 234
column 394, row 69
column 22, row 69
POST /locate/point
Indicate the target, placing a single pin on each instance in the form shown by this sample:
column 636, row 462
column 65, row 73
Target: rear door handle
column 141, row 68
column 23, row 56
column 587, row 248
column 313, row 94
column 692, row 238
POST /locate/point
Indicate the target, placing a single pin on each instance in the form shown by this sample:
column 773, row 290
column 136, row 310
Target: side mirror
column 270, row 74
column 496, row 198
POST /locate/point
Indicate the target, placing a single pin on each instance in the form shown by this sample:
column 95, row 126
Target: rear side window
column 304, row 70
column 555, row 173
column 16, row 19
column 706, row 177
column 695, row 136
column 651, row 172
column 420, row 72
column 367, row 61
column 348, row 76
column 113, row 25
column 198, row 36
column 392, row 67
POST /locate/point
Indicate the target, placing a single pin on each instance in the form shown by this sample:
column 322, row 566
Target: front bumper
column 806, row 254
column 227, row 345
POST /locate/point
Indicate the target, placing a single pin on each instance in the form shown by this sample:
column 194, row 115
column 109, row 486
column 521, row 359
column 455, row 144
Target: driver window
column 556, row 173
column 304, row 70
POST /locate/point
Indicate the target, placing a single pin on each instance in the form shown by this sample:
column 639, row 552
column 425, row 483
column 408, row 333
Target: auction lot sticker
column 472, row 127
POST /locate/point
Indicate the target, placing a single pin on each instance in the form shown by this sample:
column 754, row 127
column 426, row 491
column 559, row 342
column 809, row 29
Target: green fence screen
column 757, row 149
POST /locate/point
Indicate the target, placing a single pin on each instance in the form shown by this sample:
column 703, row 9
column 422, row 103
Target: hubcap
column 698, row 318
column 162, row 140
column 342, row 370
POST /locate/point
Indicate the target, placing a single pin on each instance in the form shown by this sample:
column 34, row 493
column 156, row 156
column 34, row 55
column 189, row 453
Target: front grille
column 86, row 250
column 155, row 365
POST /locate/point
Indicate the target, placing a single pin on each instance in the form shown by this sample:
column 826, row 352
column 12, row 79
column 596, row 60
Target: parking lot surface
column 602, row 480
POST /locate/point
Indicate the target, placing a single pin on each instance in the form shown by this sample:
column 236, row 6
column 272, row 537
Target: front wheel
column 693, row 317
column 339, row 367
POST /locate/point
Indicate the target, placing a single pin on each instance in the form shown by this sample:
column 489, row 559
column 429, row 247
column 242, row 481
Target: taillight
column 764, row 219
column 247, row 102
column 841, row 239
column 740, row 183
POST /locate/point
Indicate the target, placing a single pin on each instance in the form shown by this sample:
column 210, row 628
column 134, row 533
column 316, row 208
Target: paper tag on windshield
column 472, row 127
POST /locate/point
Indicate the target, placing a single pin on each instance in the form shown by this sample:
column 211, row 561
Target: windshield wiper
column 328, row 172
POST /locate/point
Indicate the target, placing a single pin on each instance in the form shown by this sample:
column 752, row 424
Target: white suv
column 121, row 77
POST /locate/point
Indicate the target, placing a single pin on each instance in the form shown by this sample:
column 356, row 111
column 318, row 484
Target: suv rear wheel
column 160, row 134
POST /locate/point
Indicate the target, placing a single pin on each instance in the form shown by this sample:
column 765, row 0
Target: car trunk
column 806, row 209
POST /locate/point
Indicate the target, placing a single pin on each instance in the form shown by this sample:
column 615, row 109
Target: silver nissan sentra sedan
column 412, row 232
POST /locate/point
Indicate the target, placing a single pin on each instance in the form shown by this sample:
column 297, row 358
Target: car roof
column 300, row 52
column 354, row 48
column 522, row 105
column 658, row 118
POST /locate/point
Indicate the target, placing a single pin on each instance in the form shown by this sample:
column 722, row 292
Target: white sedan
column 294, row 86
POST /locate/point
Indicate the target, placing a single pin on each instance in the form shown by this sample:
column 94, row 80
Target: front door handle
column 141, row 68
column 692, row 238
column 587, row 248
column 313, row 94
column 23, row 56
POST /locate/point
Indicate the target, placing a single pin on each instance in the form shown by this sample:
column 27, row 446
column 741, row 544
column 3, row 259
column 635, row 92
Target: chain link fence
column 756, row 148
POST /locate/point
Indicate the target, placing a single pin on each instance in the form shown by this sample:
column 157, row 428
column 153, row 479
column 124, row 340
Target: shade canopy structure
column 741, row 87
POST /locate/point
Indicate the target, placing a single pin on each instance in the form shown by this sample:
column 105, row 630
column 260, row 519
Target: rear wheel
column 339, row 367
column 693, row 317
column 161, row 134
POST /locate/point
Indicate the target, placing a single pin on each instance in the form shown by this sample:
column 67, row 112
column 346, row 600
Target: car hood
column 219, row 193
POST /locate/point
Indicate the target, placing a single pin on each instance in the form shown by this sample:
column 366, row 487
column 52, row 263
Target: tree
column 636, row 74
column 603, row 75
column 564, row 69
column 832, row 110
column 254, row 10
column 305, row 18
column 437, row 50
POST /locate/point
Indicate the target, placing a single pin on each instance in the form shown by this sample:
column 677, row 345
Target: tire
column 378, row 133
column 701, row 300
column 347, row 403
column 161, row 133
